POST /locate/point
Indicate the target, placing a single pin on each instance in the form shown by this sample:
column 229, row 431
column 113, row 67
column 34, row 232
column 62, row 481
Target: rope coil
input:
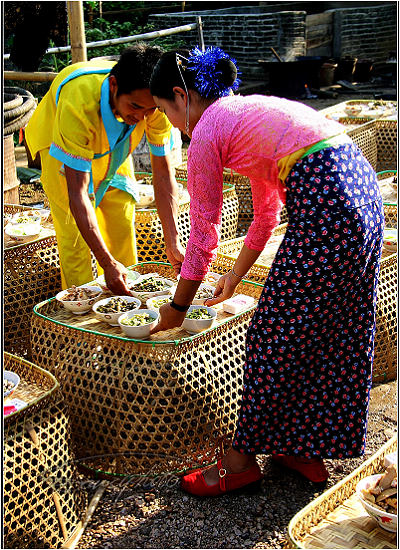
column 18, row 106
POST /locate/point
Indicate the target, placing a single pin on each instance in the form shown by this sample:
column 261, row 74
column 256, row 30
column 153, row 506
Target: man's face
column 131, row 107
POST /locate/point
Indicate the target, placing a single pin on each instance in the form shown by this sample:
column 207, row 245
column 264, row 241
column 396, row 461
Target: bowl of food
column 353, row 109
column 157, row 301
column 131, row 277
column 26, row 217
column 22, row 232
column 390, row 240
column 138, row 322
column 10, row 383
column 79, row 300
column 378, row 495
column 151, row 285
column 199, row 318
column 110, row 309
column 146, row 195
column 204, row 292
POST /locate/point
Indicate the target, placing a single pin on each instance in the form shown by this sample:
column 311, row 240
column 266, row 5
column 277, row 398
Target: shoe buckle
column 222, row 472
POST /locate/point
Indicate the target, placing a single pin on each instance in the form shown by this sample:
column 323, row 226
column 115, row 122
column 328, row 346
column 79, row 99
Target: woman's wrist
column 177, row 307
column 240, row 277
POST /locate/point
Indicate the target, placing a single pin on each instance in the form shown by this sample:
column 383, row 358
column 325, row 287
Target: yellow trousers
column 115, row 217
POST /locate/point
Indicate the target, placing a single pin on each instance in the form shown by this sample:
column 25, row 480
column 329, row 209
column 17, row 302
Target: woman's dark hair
column 134, row 68
column 211, row 85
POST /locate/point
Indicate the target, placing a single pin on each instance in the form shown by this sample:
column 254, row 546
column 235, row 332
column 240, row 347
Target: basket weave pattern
column 31, row 274
column 43, row 503
column 385, row 354
column 140, row 407
column 336, row 519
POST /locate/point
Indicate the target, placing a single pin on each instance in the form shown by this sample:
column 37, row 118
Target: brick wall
column 367, row 32
column 247, row 33
column 246, row 36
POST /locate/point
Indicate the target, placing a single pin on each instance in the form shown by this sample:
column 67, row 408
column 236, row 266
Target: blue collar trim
column 114, row 128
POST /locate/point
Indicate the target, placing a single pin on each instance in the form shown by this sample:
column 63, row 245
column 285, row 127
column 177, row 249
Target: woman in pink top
column 309, row 347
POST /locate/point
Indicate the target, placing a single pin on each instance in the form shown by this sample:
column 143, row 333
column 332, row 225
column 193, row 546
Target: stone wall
column 248, row 33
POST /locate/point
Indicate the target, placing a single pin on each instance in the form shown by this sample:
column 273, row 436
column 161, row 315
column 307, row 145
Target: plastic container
column 238, row 303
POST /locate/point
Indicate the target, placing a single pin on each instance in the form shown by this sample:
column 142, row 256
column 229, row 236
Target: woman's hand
column 169, row 318
column 115, row 276
column 176, row 255
column 225, row 289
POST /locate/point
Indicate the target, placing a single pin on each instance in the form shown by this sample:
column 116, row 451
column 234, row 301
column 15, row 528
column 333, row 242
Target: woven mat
column 349, row 526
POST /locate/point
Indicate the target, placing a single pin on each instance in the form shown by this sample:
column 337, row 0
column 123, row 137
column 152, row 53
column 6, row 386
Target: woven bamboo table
column 385, row 353
column 44, row 503
column 149, row 233
column 31, row 274
column 144, row 406
column 336, row 519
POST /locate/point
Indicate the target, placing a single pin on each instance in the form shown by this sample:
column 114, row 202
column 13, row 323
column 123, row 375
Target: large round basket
column 385, row 354
column 43, row 501
column 31, row 274
column 149, row 233
column 144, row 407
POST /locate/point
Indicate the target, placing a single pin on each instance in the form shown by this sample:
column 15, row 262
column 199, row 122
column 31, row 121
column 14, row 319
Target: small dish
column 140, row 331
column 131, row 277
column 390, row 240
column 79, row 307
column 204, row 292
column 157, row 301
column 26, row 217
column 151, row 281
column 384, row 519
column 194, row 326
column 111, row 317
column 22, row 232
column 9, row 378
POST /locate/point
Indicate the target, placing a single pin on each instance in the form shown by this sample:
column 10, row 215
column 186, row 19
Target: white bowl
column 143, row 330
column 28, row 217
column 193, row 326
column 203, row 287
column 112, row 318
column 81, row 306
column 22, row 232
column 131, row 277
column 151, row 302
column 385, row 520
column 14, row 378
column 144, row 296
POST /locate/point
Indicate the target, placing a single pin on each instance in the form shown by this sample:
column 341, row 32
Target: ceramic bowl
column 193, row 326
column 12, row 377
column 112, row 318
column 204, row 290
column 29, row 217
column 144, row 296
column 79, row 307
column 151, row 303
column 22, row 232
column 385, row 520
column 131, row 277
column 142, row 331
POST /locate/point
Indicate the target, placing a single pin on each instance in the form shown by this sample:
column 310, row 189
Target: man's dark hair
column 135, row 66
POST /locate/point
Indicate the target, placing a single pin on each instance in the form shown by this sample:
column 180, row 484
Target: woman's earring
column 187, row 116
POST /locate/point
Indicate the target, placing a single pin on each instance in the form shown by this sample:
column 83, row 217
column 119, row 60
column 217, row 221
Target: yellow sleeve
column 158, row 133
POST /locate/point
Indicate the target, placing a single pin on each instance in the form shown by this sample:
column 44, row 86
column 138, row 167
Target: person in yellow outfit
column 85, row 129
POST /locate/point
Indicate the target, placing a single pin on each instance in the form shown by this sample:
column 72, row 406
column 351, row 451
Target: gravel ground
column 161, row 516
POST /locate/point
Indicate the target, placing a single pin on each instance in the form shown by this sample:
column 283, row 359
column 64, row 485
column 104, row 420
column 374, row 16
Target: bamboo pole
column 29, row 77
column 77, row 31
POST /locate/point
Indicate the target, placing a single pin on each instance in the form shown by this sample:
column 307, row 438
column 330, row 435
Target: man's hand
column 169, row 318
column 115, row 276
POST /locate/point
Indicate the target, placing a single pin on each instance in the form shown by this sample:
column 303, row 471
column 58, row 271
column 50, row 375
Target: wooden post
column 77, row 31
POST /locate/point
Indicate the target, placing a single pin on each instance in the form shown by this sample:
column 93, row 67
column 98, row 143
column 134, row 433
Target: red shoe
column 311, row 468
column 195, row 483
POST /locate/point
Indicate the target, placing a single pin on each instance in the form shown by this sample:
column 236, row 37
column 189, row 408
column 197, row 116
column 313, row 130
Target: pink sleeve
column 205, row 188
column 267, row 206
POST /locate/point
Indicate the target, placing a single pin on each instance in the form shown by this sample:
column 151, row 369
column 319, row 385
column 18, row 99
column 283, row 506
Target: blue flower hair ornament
column 204, row 64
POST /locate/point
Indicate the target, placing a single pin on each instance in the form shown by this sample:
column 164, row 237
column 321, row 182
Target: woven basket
column 31, row 274
column 386, row 142
column 32, row 193
column 390, row 209
column 364, row 136
column 149, row 234
column 385, row 354
column 243, row 192
column 43, row 502
column 336, row 519
column 10, row 179
column 338, row 112
column 144, row 407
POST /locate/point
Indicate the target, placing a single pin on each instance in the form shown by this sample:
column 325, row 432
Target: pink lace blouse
column 248, row 134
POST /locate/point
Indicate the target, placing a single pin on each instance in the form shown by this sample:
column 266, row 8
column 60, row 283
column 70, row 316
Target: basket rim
column 392, row 442
column 151, row 343
column 35, row 402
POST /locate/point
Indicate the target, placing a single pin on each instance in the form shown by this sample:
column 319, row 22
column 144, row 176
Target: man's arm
column 85, row 217
column 167, row 201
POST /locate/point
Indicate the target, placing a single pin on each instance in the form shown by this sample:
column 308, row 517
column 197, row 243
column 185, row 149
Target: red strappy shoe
column 311, row 468
column 195, row 483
